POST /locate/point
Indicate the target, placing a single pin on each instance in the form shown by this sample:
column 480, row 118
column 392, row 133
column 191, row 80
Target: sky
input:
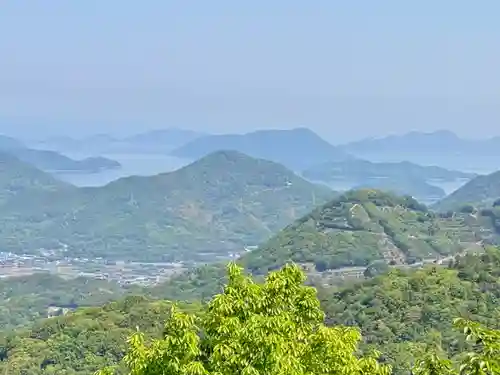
column 346, row 69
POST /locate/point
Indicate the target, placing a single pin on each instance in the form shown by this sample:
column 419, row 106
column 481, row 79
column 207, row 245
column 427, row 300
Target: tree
column 271, row 328
column 484, row 360
column 376, row 268
column 277, row 328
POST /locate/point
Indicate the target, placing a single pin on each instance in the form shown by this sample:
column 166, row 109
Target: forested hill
column 481, row 191
column 18, row 178
column 364, row 226
column 216, row 205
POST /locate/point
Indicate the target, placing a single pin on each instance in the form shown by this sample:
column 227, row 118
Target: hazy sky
column 347, row 69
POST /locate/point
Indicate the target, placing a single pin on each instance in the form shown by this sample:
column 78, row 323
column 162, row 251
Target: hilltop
column 481, row 191
column 361, row 227
column 214, row 206
column 53, row 161
column 296, row 149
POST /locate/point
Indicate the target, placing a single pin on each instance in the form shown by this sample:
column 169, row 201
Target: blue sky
column 346, row 69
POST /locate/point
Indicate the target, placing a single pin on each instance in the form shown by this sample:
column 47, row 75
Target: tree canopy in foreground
column 278, row 328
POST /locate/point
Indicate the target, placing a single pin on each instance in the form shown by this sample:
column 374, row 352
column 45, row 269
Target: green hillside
column 216, row 205
column 18, row 178
column 82, row 341
column 480, row 191
column 400, row 309
column 364, row 226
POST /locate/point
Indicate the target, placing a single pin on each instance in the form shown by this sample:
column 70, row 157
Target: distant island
column 53, row 161
column 160, row 141
column 401, row 177
column 442, row 147
column 296, row 149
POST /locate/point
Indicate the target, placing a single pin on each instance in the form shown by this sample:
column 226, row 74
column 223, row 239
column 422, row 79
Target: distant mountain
column 481, row 191
column 410, row 142
column 415, row 187
column 297, row 149
column 443, row 148
column 364, row 226
column 214, row 206
column 159, row 141
column 400, row 178
column 54, row 161
column 360, row 170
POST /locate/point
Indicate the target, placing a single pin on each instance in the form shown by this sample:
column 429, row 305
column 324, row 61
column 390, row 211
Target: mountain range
column 443, row 148
column 296, row 149
column 159, row 141
column 218, row 204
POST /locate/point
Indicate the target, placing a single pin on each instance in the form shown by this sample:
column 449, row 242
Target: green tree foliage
column 407, row 316
column 84, row 340
column 270, row 328
column 277, row 328
column 24, row 299
column 483, row 360
column 417, row 307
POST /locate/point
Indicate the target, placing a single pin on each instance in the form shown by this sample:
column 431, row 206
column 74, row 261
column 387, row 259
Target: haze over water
column 152, row 164
column 132, row 165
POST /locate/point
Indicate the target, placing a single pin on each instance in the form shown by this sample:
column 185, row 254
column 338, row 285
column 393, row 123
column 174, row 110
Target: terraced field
column 364, row 226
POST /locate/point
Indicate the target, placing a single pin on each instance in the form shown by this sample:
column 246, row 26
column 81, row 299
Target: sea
column 152, row 164
column 132, row 165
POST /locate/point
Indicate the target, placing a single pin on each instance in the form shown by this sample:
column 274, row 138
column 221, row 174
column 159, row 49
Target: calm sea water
column 152, row 164
column 132, row 165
